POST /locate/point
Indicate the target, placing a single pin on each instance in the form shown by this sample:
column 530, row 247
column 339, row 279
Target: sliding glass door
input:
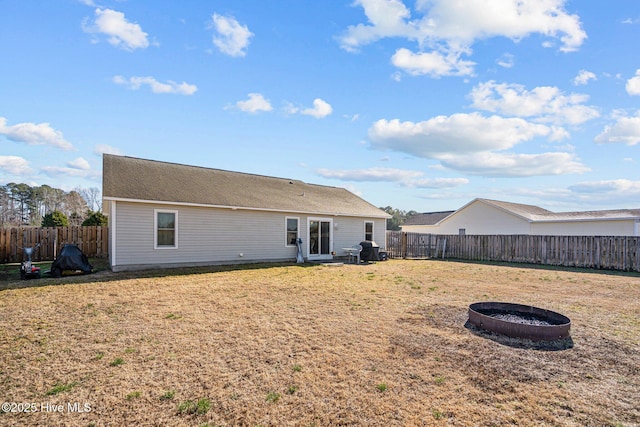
column 320, row 238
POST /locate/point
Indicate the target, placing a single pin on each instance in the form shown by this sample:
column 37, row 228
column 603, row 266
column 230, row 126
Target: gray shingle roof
column 427, row 218
column 525, row 211
column 148, row 180
column 536, row 214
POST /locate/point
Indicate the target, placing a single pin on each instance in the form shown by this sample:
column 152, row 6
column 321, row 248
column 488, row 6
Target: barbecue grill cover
column 71, row 258
column 369, row 250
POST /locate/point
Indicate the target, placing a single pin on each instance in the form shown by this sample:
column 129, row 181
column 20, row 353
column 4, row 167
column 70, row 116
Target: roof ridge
column 207, row 168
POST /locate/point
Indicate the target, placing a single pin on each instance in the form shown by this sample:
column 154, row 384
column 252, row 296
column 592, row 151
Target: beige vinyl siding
column 219, row 236
column 479, row 218
column 585, row 228
column 205, row 235
column 350, row 231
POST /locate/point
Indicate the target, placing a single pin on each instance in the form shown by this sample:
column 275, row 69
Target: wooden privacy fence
column 92, row 240
column 602, row 252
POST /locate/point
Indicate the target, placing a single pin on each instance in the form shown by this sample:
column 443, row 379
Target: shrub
column 55, row 219
column 96, row 218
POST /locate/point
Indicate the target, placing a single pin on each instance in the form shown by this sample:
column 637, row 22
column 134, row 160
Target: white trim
column 630, row 218
column 204, row 205
column 286, row 231
column 311, row 256
column 155, row 229
column 373, row 229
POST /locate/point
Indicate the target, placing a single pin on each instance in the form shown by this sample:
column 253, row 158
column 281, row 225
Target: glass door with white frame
column 320, row 239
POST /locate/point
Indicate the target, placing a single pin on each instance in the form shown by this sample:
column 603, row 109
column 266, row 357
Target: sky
column 420, row 105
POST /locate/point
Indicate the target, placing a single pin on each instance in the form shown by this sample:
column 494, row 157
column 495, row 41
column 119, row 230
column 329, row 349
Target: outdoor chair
column 354, row 253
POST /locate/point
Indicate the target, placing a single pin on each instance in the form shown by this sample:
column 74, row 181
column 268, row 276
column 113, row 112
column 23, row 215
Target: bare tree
column 75, row 208
column 93, row 198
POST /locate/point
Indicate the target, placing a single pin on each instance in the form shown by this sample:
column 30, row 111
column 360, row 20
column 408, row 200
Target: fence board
column 601, row 252
column 91, row 240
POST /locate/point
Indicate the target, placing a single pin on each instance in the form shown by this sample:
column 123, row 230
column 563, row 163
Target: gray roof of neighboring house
column 427, row 218
column 530, row 213
column 136, row 179
column 537, row 214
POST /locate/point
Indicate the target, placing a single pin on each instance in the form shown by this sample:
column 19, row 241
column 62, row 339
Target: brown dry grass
column 382, row 344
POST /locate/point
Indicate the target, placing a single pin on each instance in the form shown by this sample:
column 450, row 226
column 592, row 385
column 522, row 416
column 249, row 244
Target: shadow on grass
column 541, row 267
column 521, row 343
column 10, row 273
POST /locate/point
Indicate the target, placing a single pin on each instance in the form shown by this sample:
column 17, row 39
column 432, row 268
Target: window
column 462, row 231
column 368, row 230
column 292, row 232
column 166, row 226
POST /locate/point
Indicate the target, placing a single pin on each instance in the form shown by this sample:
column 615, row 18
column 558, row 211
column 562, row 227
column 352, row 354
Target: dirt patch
column 383, row 344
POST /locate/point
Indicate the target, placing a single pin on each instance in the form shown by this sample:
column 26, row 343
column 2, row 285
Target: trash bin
column 369, row 251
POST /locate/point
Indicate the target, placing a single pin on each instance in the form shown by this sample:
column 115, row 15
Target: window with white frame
column 166, row 229
column 292, row 230
column 368, row 230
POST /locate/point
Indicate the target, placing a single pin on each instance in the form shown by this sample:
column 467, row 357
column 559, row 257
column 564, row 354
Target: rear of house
column 169, row 215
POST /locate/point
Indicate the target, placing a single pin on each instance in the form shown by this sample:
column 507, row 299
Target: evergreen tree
column 55, row 219
column 96, row 218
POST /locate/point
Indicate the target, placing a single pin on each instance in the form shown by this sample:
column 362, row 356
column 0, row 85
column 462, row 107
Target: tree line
column 45, row 206
column 398, row 217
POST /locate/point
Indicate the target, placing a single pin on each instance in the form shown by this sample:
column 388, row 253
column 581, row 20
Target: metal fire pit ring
column 519, row 321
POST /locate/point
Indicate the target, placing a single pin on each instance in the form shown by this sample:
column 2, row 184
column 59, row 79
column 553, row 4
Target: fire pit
column 519, row 321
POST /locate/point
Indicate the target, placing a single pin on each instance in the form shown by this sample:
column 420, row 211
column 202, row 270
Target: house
column 168, row 215
column 484, row 216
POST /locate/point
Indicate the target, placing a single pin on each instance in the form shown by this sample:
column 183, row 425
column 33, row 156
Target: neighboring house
column 484, row 216
column 168, row 215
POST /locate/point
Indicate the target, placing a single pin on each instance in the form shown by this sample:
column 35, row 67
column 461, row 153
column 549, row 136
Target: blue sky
column 420, row 105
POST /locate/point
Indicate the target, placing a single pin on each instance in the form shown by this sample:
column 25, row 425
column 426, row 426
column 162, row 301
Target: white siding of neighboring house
column 217, row 236
column 477, row 218
column 585, row 228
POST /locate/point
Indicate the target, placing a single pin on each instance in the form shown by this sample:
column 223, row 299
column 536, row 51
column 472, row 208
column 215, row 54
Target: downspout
column 112, row 232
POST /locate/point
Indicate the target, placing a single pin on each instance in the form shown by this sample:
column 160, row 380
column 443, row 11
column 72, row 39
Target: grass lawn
column 301, row 345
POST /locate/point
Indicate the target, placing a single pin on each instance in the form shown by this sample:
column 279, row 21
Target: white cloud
column 254, row 104
column 458, row 133
column 583, row 78
column 406, row 178
column 121, row 33
column 34, row 134
column 448, row 28
column 633, row 84
column 232, row 38
column 625, row 130
column 475, row 144
column 606, row 193
column 101, row 149
column 320, row 109
column 79, row 163
column 543, row 103
column 14, row 165
column 628, row 188
column 515, row 165
column 156, row 87
column 71, row 170
column 370, row 174
column 388, row 18
column 465, row 21
column 507, row 60
column 435, row 64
